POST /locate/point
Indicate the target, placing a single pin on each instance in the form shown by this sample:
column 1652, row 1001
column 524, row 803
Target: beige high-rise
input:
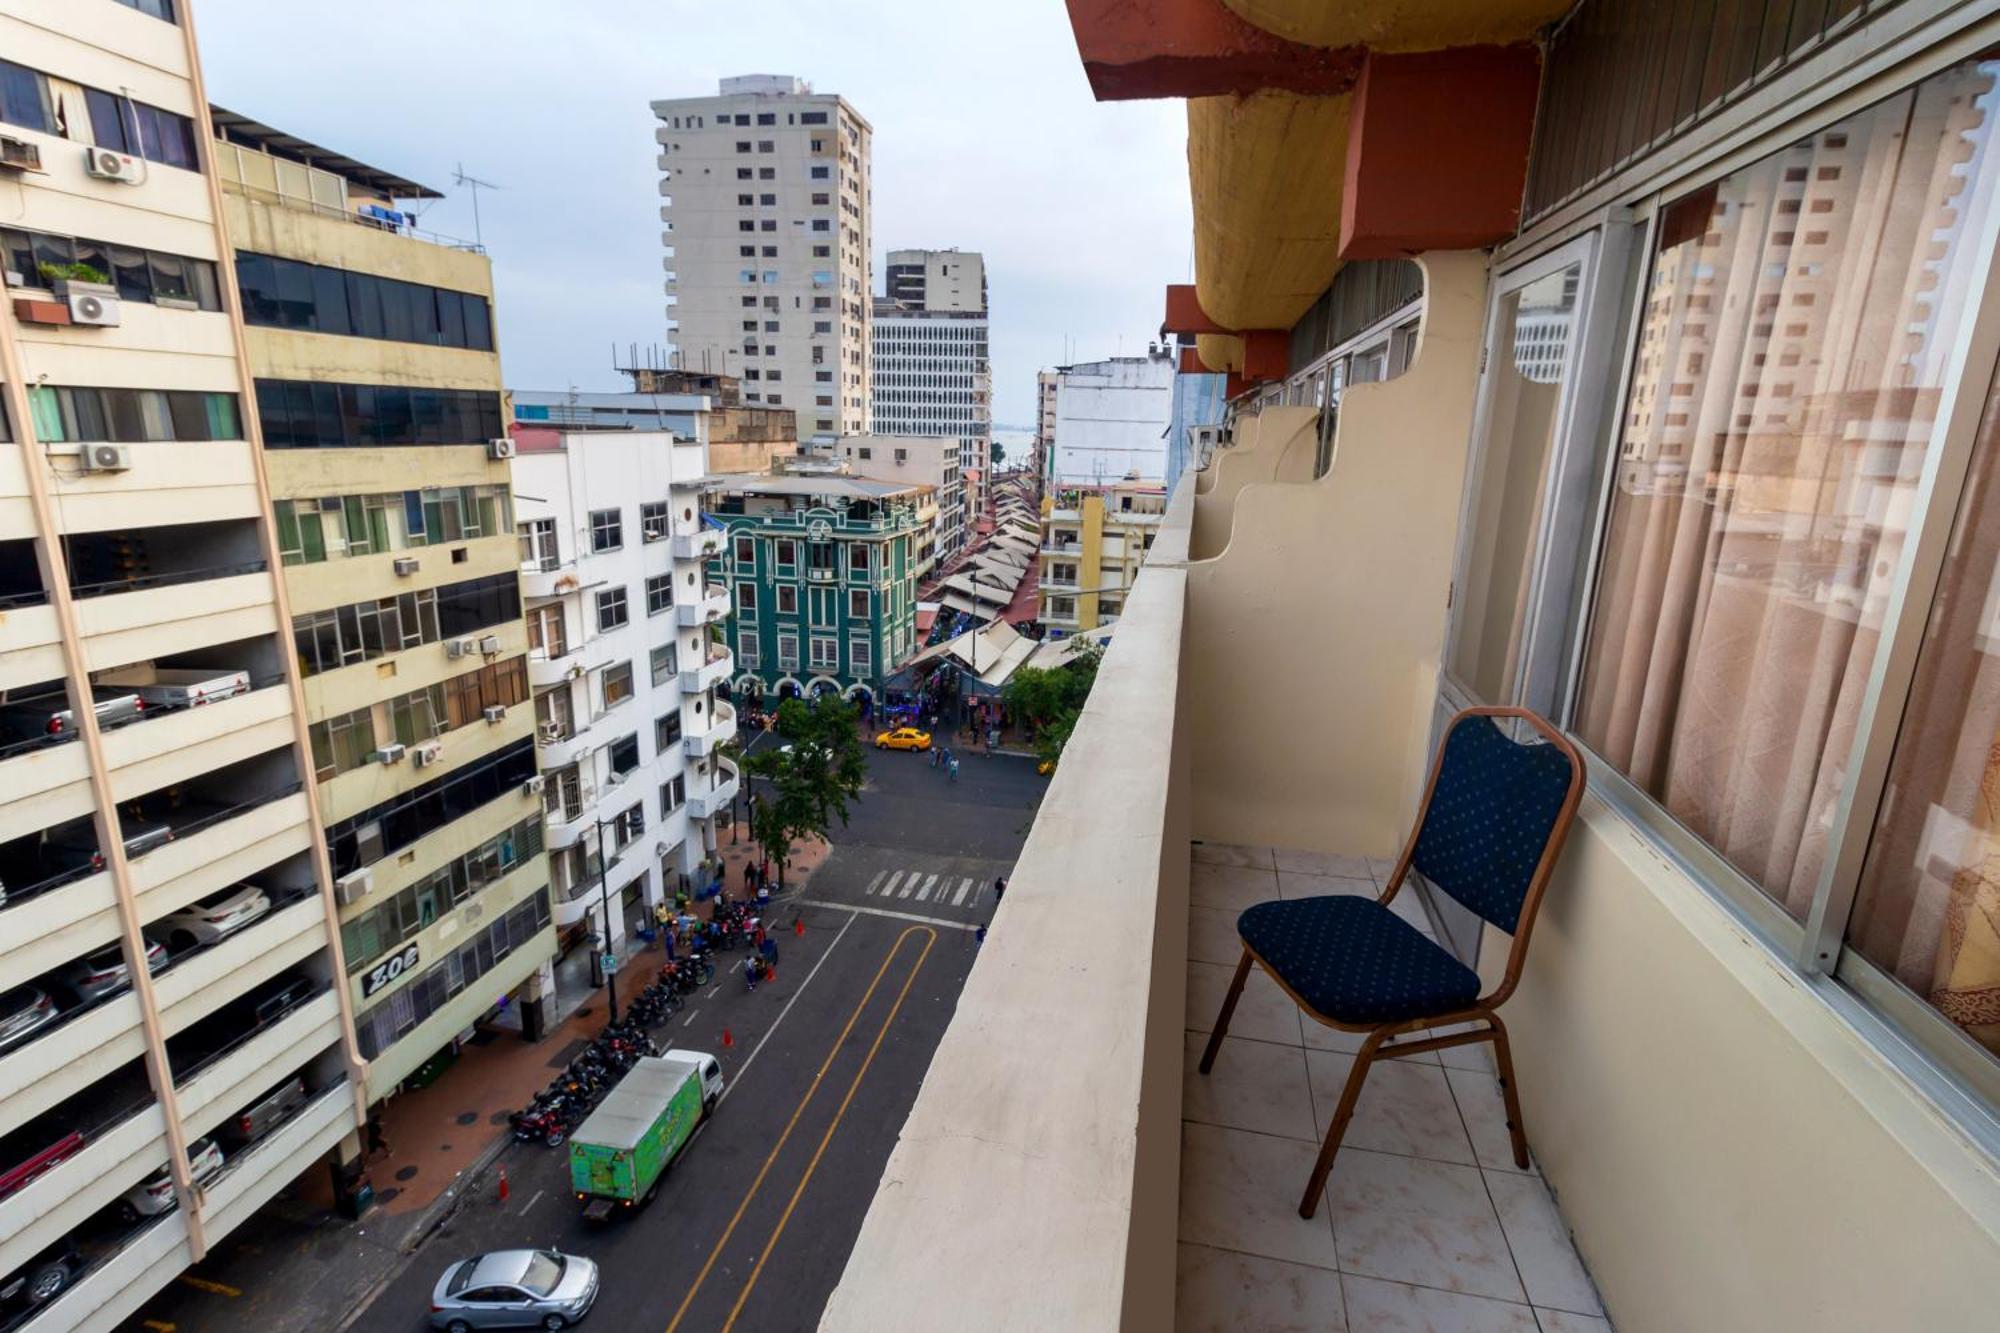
column 765, row 201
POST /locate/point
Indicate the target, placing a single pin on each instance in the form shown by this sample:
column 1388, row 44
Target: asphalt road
column 755, row 1221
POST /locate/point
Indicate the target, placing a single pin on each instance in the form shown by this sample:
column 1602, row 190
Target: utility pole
column 604, row 897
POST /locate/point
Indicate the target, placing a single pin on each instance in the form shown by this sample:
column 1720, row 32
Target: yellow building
column 1093, row 542
column 378, row 383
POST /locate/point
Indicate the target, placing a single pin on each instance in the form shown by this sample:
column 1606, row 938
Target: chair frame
column 1377, row 1043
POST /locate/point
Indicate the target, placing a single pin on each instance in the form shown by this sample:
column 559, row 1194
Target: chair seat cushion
column 1355, row 961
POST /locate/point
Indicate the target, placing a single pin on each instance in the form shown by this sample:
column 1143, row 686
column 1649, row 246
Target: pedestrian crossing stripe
column 909, row 884
column 959, row 897
column 889, row 889
column 940, row 889
column 925, row 892
column 873, row 882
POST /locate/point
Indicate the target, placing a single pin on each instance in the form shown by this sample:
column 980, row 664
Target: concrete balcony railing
column 556, row 747
column 1662, row 1052
column 721, row 729
column 719, row 665
column 541, row 579
column 708, row 804
column 698, row 543
column 546, row 669
column 711, row 606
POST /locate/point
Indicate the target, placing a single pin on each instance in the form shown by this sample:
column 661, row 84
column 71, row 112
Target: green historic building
column 822, row 580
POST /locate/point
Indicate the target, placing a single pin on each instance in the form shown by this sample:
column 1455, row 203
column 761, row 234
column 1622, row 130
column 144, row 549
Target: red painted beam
column 1192, row 364
column 1267, row 354
column 1195, row 48
column 1184, row 312
column 1437, row 150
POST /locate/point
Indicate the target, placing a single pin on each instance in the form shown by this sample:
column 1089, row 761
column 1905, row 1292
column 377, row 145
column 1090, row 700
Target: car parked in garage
column 101, row 974
column 214, row 918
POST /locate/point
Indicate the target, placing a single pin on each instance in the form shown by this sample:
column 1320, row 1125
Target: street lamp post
column 604, row 898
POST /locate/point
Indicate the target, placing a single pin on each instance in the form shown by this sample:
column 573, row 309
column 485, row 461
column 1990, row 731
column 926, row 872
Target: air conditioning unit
column 353, row 886
column 407, row 565
column 425, row 754
column 502, row 447
column 106, row 457
column 392, row 753
column 532, row 787
column 93, row 309
column 458, row 648
column 489, row 645
column 494, row 713
column 548, row 733
column 19, row 154
column 107, row 165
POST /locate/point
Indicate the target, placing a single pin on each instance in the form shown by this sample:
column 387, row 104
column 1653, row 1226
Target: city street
column 754, row 1223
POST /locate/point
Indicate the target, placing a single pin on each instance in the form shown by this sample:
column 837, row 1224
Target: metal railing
column 143, row 582
column 148, row 714
column 348, row 215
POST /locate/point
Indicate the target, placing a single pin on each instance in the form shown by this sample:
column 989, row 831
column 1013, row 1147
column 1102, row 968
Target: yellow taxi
column 903, row 738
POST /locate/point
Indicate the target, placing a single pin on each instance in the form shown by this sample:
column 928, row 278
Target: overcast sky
column 986, row 138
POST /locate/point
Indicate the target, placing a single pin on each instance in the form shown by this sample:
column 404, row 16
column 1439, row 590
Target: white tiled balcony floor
column 1426, row 1227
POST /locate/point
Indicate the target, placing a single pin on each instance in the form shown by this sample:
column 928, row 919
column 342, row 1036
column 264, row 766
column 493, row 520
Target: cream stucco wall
column 1314, row 635
column 1730, row 1153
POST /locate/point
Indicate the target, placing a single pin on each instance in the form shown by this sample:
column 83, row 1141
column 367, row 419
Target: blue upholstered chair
column 1493, row 819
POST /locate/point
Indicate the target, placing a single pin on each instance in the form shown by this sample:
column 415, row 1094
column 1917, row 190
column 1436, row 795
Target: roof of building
column 826, row 483
column 256, row 134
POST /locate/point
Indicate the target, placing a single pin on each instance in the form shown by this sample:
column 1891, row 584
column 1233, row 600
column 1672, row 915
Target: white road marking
column 925, row 892
column 714, row 990
column 757, row 1050
column 889, row 889
column 690, row 1018
column 945, row 922
column 870, row 890
column 958, row 898
column 532, row 1202
column 915, row 875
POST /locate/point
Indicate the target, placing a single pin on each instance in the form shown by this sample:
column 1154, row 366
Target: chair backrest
column 1496, row 813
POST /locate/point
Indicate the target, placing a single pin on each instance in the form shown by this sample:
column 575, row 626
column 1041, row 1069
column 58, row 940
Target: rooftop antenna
column 458, row 177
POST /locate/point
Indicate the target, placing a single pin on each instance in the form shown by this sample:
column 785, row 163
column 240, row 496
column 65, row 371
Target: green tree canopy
column 1049, row 699
column 810, row 779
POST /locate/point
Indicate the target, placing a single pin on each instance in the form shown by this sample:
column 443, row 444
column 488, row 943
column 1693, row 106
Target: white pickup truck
column 179, row 687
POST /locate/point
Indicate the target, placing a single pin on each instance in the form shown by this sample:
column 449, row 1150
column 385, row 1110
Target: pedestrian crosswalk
column 937, row 889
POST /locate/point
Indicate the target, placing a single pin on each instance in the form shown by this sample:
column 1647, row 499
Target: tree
column 999, row 452
column 1049, row 699
column 809, row 780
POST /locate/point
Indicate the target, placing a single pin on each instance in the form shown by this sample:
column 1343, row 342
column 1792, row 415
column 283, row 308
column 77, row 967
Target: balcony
column 134, row 620
column 721, row 730
column 712, row 606
column 716, row 668
column 548, row 577
column 708, row 804
column 557, row 746
column 548, row 667
column 698, row 543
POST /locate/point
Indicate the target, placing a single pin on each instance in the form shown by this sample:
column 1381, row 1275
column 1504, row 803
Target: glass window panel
column 170, row 281
column 329, row 300
column 201, row 279
column 478, row 323
column 257, row 276
column 109, row 127
column 1928, row 908
column 1777, row 423
column 24, row 98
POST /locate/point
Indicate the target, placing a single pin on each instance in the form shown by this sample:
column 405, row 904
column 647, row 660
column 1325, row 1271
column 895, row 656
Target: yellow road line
column 827, row 1137
column 832, row 1052
column 203, row 1284
column 160, row 1327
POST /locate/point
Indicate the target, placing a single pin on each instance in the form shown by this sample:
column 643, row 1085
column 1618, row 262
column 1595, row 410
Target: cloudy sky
column 986, row 138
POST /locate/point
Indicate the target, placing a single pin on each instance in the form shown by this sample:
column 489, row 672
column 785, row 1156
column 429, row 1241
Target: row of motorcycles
column 558, row 1109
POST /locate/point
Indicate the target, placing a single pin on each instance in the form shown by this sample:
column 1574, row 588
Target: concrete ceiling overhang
column 1399, row 25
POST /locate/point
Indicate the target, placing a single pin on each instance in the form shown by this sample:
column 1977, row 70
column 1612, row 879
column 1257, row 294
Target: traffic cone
column 503, row 1184
column 798, row 925
column 727, row 1039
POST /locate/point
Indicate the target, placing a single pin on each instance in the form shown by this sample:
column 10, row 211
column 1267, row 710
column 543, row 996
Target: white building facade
column 765, row 205
column 923, row 460
column 1112, row 419
column 624, row 669
column 933, row 370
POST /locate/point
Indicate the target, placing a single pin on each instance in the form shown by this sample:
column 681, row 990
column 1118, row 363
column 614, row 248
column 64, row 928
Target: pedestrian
column 992, row 738
column 954, row 769
column 768, row 946
column 376, row 1142
column 979, row 935
column 934, row 756
column 999, row 889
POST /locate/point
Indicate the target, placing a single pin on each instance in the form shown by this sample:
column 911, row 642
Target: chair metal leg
column 1504, row 1058
column 1228, row 1010
column 1342, row 1114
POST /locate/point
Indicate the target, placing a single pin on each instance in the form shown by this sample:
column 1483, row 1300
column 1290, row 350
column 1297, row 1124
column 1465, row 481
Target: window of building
column 665, row 663
column 655, row 519
column 857, row 557
column 812, row 118
column 766, row 118
column 630, row 823
column 742, row 145
column 667, row 731
column 673, row 795
column 342, row 744
column 860, row 656
column 743, row 173
column 788, row 652
column 659, row 594
column 612, row 612
column 149, row 276
column 430, row 990
column 787, row 552
column 825, row 654
column 788, row 600
column 140, row 129
column 617, row 684
column 287, row 294
column 748, row 652
column 362, row 631
column 766, row 146
column 767, row 173
column 305, row 414
column 385, row 927
column 746, row 597
column 607, row 529
column 623, row 754
column 62, row 413
column 857, row 604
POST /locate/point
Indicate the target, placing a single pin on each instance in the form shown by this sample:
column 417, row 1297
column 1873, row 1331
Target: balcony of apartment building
column 148, row 591
column 695, row 540
column 555, row 654
column 1755, row 1088
column 708, row 804
column 711, row 733
column 717, row 665
column 710, row 606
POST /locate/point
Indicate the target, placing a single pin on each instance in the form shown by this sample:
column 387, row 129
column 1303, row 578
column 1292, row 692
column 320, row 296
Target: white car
column 213, row 918
column 155, row 1194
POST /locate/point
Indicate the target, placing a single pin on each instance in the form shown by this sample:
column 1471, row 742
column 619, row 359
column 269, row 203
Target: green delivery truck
column 617, row 1156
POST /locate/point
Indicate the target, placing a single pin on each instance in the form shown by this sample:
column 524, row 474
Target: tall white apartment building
column 765, row 203
column 1045, row 419
column 933, row 375
column 170, row 947
column 623, row 666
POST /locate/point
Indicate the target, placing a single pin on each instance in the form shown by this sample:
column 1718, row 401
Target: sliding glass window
column 287, row 294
